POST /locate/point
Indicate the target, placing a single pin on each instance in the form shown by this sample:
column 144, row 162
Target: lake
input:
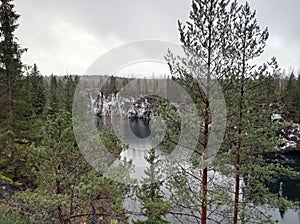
column 138, row 137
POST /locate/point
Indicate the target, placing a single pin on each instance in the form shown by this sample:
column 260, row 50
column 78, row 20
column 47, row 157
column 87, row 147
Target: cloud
column 69, row 35
column 283, row 22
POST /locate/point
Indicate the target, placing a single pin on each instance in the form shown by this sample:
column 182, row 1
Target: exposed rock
column 104, row 105
column 290, row 138
column 276, row 117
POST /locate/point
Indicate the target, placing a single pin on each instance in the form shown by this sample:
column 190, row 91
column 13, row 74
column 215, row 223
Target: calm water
column 138, row 137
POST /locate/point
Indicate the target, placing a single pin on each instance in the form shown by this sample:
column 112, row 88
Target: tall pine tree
column 206, row 41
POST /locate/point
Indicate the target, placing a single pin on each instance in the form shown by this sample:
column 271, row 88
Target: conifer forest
column 214, row 141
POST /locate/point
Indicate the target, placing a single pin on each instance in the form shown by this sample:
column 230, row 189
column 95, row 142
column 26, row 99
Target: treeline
column 127, row 86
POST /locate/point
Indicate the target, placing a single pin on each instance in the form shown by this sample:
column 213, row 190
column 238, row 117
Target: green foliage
column 208, row 49
column 10, row 58
column 40, row 156
column 168, row 113
column 36, row 88
column 250, row 131
column 291, row 99
column 16, row 116
column 60, row 92
column 114, row 222
column 215, row 53
column 112, row 142
column 67, row 188
column 154, row 205
column 38, row 147
column 15, row 218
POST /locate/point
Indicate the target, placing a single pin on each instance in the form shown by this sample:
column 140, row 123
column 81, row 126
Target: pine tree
column 67, row 189
column 206, row 41
column 249, row 116
column 250, row 42
column 219, row 43
column 154, row 206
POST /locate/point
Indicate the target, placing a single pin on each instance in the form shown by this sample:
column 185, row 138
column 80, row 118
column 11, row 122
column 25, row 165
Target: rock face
column 290, row 138
column 289, row 148
column 104, row 105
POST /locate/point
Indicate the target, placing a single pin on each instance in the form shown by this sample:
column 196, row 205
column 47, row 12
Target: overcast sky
column 67, row 36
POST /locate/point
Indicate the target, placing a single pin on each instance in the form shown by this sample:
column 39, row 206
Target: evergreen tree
column 67, row 189
column 291, row 99
column 10, row 58
column 250, row 42
column 219, row 43
column 154, row 206
column 253, row 133
column 37, row 90
column 70, row 83
column 54, row 93
column 10, row 78
column 206, row 41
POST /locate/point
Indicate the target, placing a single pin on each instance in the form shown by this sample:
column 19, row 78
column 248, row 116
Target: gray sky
column 67, row 36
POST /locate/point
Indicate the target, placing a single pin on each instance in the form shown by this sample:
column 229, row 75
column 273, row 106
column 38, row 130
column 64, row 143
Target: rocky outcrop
column 289, row 138
column 288, row 153
column 105, row 105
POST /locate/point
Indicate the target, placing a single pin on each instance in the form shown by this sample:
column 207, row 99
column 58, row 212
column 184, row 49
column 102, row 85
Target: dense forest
column 44, row 178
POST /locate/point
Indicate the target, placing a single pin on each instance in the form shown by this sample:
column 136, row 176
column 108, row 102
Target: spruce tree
column 291, row 99
column 70, row 83
column 10, row 58
column 54, row 95
column 10, row 81
column 37, row 90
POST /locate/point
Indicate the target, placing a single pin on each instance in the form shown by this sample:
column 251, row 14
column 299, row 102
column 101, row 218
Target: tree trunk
column 204, row 195
column 239, row 144
column 206, row 126
column 59, row 191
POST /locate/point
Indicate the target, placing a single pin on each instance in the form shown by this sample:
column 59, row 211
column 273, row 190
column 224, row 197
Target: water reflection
column 140, row 139
column 289, row 189
column 137, row 132
column 139, row 127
